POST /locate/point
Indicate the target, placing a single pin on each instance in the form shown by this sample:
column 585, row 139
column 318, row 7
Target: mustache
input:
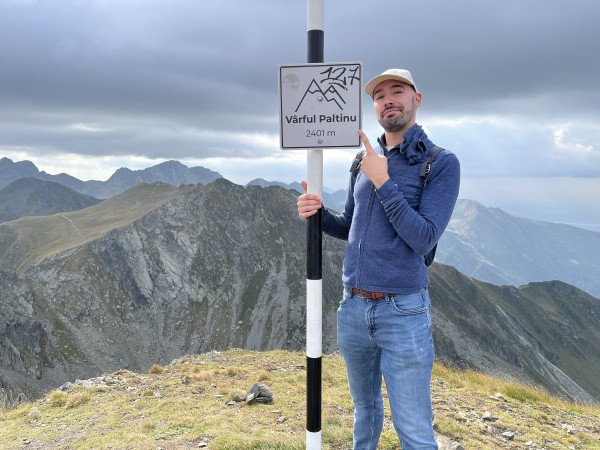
column 391, row 107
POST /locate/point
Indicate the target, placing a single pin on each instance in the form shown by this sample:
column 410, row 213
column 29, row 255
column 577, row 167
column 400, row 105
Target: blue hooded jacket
column 389, row 230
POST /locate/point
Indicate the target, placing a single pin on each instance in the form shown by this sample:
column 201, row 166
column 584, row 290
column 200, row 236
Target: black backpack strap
column 355, row 167
column 426, row 166
column 424, row 173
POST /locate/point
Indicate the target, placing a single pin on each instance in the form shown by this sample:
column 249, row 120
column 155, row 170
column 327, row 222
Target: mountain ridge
column 222, row 266
column 494, row 246
column 29, row 240
column 170, row 172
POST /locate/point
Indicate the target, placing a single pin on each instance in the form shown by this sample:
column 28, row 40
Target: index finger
column 365, row 141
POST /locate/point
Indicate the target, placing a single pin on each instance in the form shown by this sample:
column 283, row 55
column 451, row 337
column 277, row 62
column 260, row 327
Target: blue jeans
column 389, row 337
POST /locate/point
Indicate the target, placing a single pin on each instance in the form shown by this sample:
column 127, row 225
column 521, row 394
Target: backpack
column 423, row 173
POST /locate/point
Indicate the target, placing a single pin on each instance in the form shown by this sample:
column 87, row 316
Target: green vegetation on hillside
column 190, row 404
column 29, row 240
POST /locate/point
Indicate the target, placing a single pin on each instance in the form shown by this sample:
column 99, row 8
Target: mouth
column 390, row 110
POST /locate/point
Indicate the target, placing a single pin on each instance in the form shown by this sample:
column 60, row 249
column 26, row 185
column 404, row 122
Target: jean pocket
column 410, row 304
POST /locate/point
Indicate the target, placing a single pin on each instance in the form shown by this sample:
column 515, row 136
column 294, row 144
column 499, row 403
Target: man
column 390, row 220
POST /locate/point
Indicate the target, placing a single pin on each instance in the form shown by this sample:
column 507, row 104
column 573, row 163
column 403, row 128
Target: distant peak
column 171, row 162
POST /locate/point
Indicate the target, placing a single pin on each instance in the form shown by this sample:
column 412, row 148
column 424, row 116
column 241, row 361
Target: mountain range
column 494, row 246
column 161, row 263
column 485, row 243
column 161, row 271
column 171, row 172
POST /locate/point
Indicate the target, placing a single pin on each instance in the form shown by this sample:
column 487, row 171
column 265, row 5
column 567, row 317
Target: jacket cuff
column 386, row 189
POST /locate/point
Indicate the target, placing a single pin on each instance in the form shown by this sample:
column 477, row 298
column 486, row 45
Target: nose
column 388, row 98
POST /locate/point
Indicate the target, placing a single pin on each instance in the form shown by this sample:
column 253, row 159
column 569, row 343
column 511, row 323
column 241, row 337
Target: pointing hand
column 374, row 166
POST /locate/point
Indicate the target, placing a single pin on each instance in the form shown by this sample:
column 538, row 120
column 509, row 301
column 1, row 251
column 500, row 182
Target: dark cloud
column 192, row 79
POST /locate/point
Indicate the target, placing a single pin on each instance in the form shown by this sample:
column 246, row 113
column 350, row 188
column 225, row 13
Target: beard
column 399, row 121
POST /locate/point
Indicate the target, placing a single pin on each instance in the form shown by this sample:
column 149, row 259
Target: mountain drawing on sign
column 331, row 94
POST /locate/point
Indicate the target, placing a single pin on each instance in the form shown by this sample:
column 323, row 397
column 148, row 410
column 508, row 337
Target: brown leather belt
column 369, row 294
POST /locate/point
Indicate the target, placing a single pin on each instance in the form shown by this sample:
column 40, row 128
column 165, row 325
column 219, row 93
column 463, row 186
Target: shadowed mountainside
column 222, row 266
column 34, row 197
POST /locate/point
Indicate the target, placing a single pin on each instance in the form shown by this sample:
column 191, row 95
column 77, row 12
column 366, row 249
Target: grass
column 189, row 403
column 35, row 238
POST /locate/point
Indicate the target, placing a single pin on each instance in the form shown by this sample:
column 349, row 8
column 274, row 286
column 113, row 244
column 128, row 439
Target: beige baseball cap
column 390, row 74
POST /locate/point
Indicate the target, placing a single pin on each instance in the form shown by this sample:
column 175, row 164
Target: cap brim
column 371, row 85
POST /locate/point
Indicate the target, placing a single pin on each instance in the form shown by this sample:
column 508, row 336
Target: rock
column 86, row 383
column 237, row 398
column 487, row 416
column 65, row 387
column 462, row 417
column 498, row 396
column 445, row 443
column 259, row 393
column 509, row 435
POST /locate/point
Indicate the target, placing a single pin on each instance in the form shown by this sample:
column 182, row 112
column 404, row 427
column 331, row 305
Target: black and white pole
column 314, row 305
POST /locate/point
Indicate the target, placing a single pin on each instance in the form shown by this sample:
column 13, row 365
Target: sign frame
column 320, row 105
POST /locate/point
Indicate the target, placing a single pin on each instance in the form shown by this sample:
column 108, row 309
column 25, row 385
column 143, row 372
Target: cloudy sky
column 512, row 87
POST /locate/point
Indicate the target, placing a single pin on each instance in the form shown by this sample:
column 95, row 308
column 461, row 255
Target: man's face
column 396, row 105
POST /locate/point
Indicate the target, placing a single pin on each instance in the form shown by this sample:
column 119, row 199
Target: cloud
column 511, row 87
column 512, row 146
column 571, row 142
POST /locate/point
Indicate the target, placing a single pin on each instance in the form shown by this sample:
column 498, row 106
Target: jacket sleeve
column 422, row 229
column 338, row 225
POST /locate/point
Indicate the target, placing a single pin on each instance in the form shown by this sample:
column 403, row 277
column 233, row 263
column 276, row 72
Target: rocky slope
column 222, row 266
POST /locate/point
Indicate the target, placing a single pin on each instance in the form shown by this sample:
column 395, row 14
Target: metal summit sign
column 320, row 105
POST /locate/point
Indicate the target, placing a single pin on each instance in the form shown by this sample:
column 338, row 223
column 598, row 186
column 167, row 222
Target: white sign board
column 320, row 105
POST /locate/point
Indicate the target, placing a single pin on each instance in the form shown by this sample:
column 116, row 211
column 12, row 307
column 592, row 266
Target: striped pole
column 314, row 305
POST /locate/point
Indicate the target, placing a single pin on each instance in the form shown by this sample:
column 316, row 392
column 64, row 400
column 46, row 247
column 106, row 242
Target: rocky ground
column 210, row 401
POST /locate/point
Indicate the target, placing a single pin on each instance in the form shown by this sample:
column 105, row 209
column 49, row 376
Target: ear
column 418, row 99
